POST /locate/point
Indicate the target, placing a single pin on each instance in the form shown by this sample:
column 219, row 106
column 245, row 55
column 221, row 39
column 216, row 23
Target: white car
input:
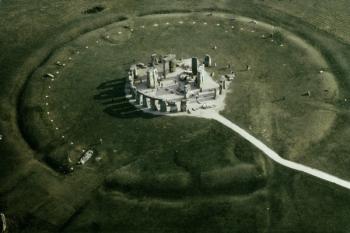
column 87, row 155
column 3, row 224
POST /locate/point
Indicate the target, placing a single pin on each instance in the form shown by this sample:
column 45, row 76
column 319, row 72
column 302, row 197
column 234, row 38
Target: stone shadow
column 111, row 95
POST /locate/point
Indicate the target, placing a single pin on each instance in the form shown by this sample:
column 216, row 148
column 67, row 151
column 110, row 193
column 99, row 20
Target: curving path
column 210, row 114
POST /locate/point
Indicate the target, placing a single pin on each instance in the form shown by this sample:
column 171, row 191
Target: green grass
column 184, row 175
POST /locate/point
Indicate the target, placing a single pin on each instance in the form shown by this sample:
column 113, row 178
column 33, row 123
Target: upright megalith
column 170, row 61
column 131, row 77
column 187, row 91
column 154, row 104
column 154, row 59
column 164, row 62
column 223, row 82
column 152, row 77
column 138, row 97
column 172, row 65
column 173, row 107
column 194, row 65
column 133, row 92
column 183, row 106
column 144, row 101
column 200, row 77
column 149, row 78
column 133, row 70
column 207, row 60
column 163, row 106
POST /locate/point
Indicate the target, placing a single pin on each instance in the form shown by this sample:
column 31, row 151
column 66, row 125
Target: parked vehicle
column 3, row 222
column 86, row 156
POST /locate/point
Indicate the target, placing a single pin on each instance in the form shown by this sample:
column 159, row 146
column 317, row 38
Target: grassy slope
column 328, row 15
column 16, row 52
column 156, row 166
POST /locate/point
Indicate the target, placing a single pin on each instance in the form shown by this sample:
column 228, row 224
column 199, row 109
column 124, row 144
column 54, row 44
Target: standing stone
column 155, row 77
column 223, row 82
column 154, row 105
column 134, row 92
column 187, row 90
column 144, row 101
column 163, row 106
column 172, row 65
column 199, row 79
column 164, row 68
column 138, row 98
column 154, row 59
column 194, row 65
column 152, row 77
column 207, row 60
column 173, row 107
column 133, row 69
column 149, row 78
column 131, row 78
column 183, row 105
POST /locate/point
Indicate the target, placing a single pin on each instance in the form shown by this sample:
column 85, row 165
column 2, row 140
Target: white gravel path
column 209, row 114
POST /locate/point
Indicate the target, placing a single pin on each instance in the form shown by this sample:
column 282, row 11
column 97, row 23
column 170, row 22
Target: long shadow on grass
column 112, row 96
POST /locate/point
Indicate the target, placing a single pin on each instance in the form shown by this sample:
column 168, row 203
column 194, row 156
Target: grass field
column 325, row 15
column 165, row 174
